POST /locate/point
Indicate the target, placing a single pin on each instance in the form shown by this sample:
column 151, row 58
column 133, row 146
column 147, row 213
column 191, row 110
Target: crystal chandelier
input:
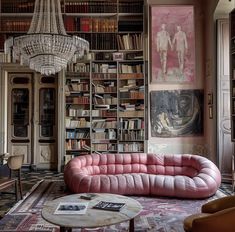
column 46, row 48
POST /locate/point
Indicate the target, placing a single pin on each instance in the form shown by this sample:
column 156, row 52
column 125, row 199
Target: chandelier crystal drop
column 46, row 48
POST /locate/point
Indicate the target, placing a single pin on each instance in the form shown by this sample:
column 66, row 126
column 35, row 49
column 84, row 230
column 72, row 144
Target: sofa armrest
column 218, row 204
column 217, row 222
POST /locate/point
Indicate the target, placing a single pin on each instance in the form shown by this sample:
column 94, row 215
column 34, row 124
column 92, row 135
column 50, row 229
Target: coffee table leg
column 65, row 229
column 132, row 225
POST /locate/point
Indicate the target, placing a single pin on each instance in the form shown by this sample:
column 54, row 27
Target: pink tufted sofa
column 185, row 176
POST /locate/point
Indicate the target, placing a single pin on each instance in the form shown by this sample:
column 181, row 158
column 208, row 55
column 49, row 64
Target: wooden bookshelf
column 115, row 68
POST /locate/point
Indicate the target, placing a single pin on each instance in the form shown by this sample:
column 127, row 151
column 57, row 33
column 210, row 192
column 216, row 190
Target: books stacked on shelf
column 82, row 99
column 77, row 145
column 104, row 76
column 133, row 68
column 73, row 112
column 103, row 41
column 11, row 24
column 130, row 6
column 90, row 7
column 104, row 68
column 104, row 123
column 106, row 146
column 17, row 6
column 130, row 41
column 131, row 124
column 130, row 147
column 81, row 69
column 81, row 134
column 90, row 24
column 104, row 134
column 132, row 135
column 104, row 113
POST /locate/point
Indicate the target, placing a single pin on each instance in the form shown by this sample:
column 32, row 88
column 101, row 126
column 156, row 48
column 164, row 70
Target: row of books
column 131, row 147
column 80, row 68
column 101, row 76
column 131, row 6
column 74, row 86
column 104, row 89
column 131, row 76
column 15, row 25
column 17, row 6
column 102, row 134
column 73, row 112
column 103, row 41
column 72, row 144
column 130, row 42
column 104, row 113
column 80, row 123
column 104, row 7
column 131, row 124
column 95, row 113
column 106, row 99
column 77, row 100
column 104, row 147
column 104, row 68
column 90, row 24
column 134, row 68
column 130, row 25
column 129, row 114
column 78, row 135
column 132, row 135
column 90, row 7
column 104, row 123
column 132, row 94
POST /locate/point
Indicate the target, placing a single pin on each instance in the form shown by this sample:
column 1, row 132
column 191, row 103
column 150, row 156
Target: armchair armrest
column 219, row 204
column 217, row 222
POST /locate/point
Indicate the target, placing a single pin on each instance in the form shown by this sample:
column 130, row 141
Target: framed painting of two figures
column 172, row 44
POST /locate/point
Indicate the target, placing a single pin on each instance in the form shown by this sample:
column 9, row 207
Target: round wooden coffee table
column 93, row 218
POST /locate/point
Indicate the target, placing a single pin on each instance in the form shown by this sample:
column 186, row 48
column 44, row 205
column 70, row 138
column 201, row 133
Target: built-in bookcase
column 113, row 109
column 105, row 92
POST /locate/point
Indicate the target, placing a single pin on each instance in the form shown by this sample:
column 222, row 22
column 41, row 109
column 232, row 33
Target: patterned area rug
column 158, row 215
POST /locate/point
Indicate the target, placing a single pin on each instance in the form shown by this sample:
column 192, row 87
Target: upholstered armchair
column 216, row 216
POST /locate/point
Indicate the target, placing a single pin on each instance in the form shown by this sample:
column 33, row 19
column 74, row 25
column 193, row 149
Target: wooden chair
column 14, row 163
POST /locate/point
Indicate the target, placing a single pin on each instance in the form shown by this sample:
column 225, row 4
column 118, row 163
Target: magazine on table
column 71, row 208
column 111, row 206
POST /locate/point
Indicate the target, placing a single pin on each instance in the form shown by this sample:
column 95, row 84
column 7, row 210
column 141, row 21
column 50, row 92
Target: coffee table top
column 93, row 217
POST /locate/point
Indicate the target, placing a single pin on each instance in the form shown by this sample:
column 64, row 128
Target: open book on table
column 111, row 206
column 71, row 208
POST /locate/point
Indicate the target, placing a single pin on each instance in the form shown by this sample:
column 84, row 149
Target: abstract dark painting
column 176, row 113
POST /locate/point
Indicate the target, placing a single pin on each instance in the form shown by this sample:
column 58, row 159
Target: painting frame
column 172, row 44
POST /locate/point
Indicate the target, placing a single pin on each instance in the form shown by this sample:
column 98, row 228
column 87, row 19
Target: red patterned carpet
column 159, row 214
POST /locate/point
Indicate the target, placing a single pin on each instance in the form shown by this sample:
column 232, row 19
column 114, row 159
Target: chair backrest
column 15, row 162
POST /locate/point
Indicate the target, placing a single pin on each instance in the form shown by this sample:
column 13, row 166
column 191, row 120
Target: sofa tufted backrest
column 113, row 164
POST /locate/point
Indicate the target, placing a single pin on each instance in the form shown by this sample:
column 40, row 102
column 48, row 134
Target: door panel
column 19, row 113
column 225, row 146
column 32, row 124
